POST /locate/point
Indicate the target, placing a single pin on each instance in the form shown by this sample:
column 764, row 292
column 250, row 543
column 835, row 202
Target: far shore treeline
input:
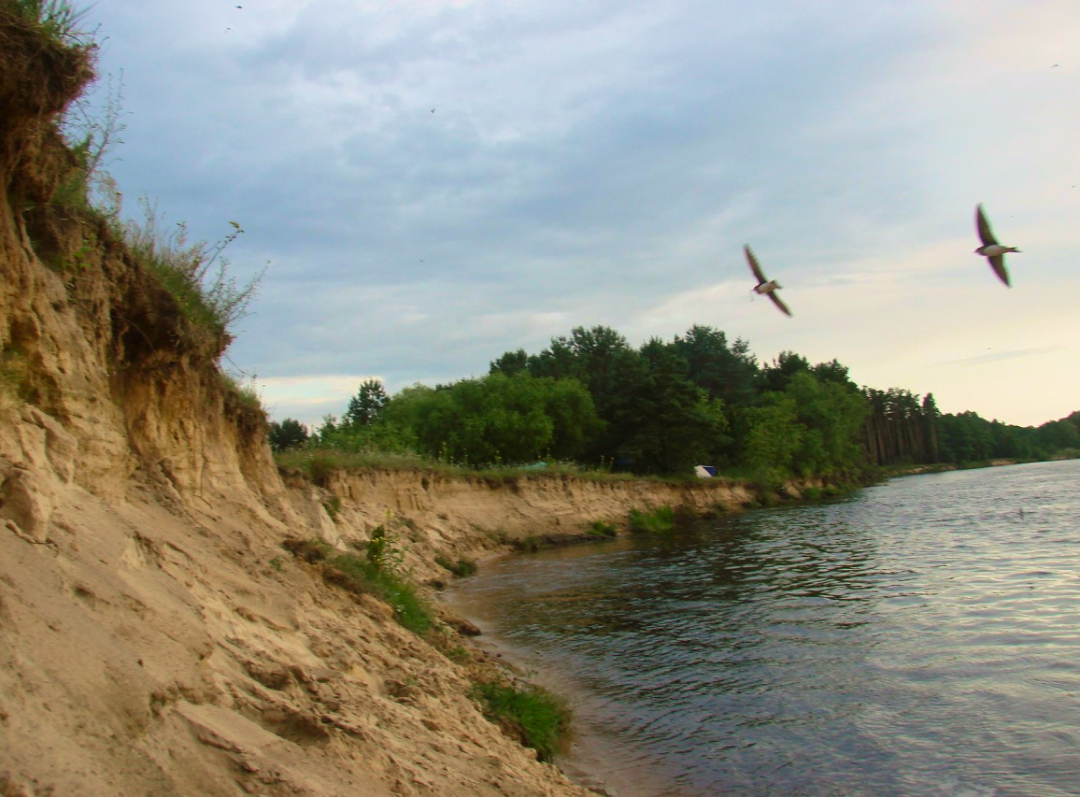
column 593, row 400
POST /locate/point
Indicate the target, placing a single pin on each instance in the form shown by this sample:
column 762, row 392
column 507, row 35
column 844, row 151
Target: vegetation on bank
column 652, row 522
column 592, row 404
column 376, row 572
column 526, row 712
column 84, row 198
column 531, row 714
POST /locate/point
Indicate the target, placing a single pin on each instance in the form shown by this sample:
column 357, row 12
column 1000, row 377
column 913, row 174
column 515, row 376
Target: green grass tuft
column 363, row 576
column 531, row 714
column 658, row 521
column 376, row 573
column 601, row 528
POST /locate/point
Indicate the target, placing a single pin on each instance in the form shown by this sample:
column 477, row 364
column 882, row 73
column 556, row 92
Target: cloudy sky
column 431, row 183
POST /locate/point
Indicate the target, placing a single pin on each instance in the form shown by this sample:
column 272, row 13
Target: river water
column 919, row 638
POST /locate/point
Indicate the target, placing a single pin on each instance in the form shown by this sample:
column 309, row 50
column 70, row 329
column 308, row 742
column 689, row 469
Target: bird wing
column 985, row 234
column 754, row 266
column 779, row 303
column 997, row 262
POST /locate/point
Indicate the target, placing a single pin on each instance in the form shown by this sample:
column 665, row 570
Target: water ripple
column 921, row 638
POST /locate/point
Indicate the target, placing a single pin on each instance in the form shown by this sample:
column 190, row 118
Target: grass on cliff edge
column 57, row 18
column 531, row 714
column 318, row 463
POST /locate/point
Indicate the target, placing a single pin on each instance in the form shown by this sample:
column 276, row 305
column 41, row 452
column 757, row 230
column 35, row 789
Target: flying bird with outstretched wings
column 991, row 249
column 765, row 287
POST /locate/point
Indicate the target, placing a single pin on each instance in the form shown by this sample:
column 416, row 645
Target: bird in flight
column 991, row 249
column 765, row 287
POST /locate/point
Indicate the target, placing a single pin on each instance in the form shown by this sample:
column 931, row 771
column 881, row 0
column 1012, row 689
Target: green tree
column 774, row 437
column 674, row 424
column 497, row 419
column 726, row 372
column 774, row 378
column 833, row 413
column 511, row 363
column 366, row 406
column 288, row 434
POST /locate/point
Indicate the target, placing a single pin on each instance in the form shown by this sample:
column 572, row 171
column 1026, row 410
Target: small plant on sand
column 376, row 573
column 659, row 520
column 601, row 528
column 461, row 568
column 530, row 714
column 530, row 543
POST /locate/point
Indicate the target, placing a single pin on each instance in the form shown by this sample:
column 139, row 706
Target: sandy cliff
column 155, row 637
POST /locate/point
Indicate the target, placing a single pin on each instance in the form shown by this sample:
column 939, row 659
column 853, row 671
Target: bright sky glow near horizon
column 432, row 183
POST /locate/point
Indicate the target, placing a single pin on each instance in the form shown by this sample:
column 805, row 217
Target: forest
column 593, row 399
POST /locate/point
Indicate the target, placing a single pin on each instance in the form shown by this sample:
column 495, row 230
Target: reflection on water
column 920, row 638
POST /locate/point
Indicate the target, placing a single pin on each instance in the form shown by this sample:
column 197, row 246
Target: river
column 921, row 637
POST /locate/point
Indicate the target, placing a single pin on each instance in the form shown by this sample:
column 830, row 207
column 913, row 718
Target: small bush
column 601, row 528
column 657, row 521
column 376, row 573
column 531, row 714
column 528, row 544
column 363, row 576
column 461, row 568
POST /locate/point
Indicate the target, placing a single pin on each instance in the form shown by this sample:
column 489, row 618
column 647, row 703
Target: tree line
column 663, row 407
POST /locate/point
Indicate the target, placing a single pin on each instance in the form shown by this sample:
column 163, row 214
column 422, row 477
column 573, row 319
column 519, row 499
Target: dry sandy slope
column 149, row 646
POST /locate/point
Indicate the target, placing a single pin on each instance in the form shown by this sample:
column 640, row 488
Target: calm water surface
column 921, row 638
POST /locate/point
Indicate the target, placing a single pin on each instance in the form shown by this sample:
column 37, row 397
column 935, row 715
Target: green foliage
column 675, row 424
column 377, row 438
column 727, row 373
column 367, row 405
column 657, row 521
column 288, row 434
column 377, row 574
column 496, row 419
column 592, row 405
column 195, row 274
column 601, row 528
column 530, row 543
column 277, row 563
column 531, row 714
column 833, row 413
column 774, row 436
column 58, row 19
column 365, row 575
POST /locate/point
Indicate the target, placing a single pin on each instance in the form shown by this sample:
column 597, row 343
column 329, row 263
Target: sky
column 431, row 183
